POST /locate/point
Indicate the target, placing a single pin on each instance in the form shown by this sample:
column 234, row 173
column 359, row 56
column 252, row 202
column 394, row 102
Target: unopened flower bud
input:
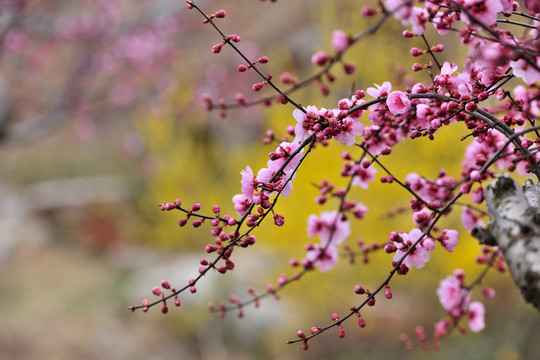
column 216, row 49
column 416, row 52
column 156, row 291
column 387, row 292
column 349, row 69
column 368, row 11
column 417, row 67
column 407, row 34
column 279, row 220
column 471, row 106
column 359, row 290
column 197, row 223
column 438, row 48
column 220, row 14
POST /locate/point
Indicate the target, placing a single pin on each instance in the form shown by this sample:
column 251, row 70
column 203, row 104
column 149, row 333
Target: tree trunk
column 514, row 227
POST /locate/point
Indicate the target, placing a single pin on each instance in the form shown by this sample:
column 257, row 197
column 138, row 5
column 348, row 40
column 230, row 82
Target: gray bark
column 514, row 227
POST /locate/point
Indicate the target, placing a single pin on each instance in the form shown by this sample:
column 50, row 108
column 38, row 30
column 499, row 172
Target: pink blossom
column 490, row 55
column 507, row 6
column 449, row 239
column 340, row 41
column 248, row 182
column 362, row 177
column 360, row 211
column 282, row 154
column 265, row 174
column 320, row 58
column 483, row 11
column 324, row 225
column 445, row 79
column 477, row 196
column 419, row 88
column 300, row 131
column 520, row 92
column 475, row 316
column 528, row 73
column 421, row 218
column 418, row 19
column 487, row 77
column 532, row 5
column 379, row 109
column 469, row 219
column 428, row 244
column 465, row 80
column 241, row 204
column 415, row 181
column 345, row 104
column 403, row 11
column 423, row 113
column 415, row 16
column 442, row 23
column 324, row 259
column 485, row 146
column 418, row 256
column 440, row 328
column 523, row 167
column 350, row 129
column 448, row 68
column 304, row 122
column 381, row 90
column 431, row 190
column 452, row 296
column 398, row 102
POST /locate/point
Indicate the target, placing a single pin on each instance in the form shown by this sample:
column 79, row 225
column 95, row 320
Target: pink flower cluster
column 455, row 299
column 276, row 178
column 409, row 15
column 432, row 191
column 333, row 228
column 362, row 175
column 470, row 219
column 420, row 254
column 328, row 124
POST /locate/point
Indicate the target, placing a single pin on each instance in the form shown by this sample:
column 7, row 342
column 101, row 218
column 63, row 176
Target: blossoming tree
column 493, row 92
column 62, row 62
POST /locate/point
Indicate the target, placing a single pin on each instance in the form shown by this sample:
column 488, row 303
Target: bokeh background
column 101, row 120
